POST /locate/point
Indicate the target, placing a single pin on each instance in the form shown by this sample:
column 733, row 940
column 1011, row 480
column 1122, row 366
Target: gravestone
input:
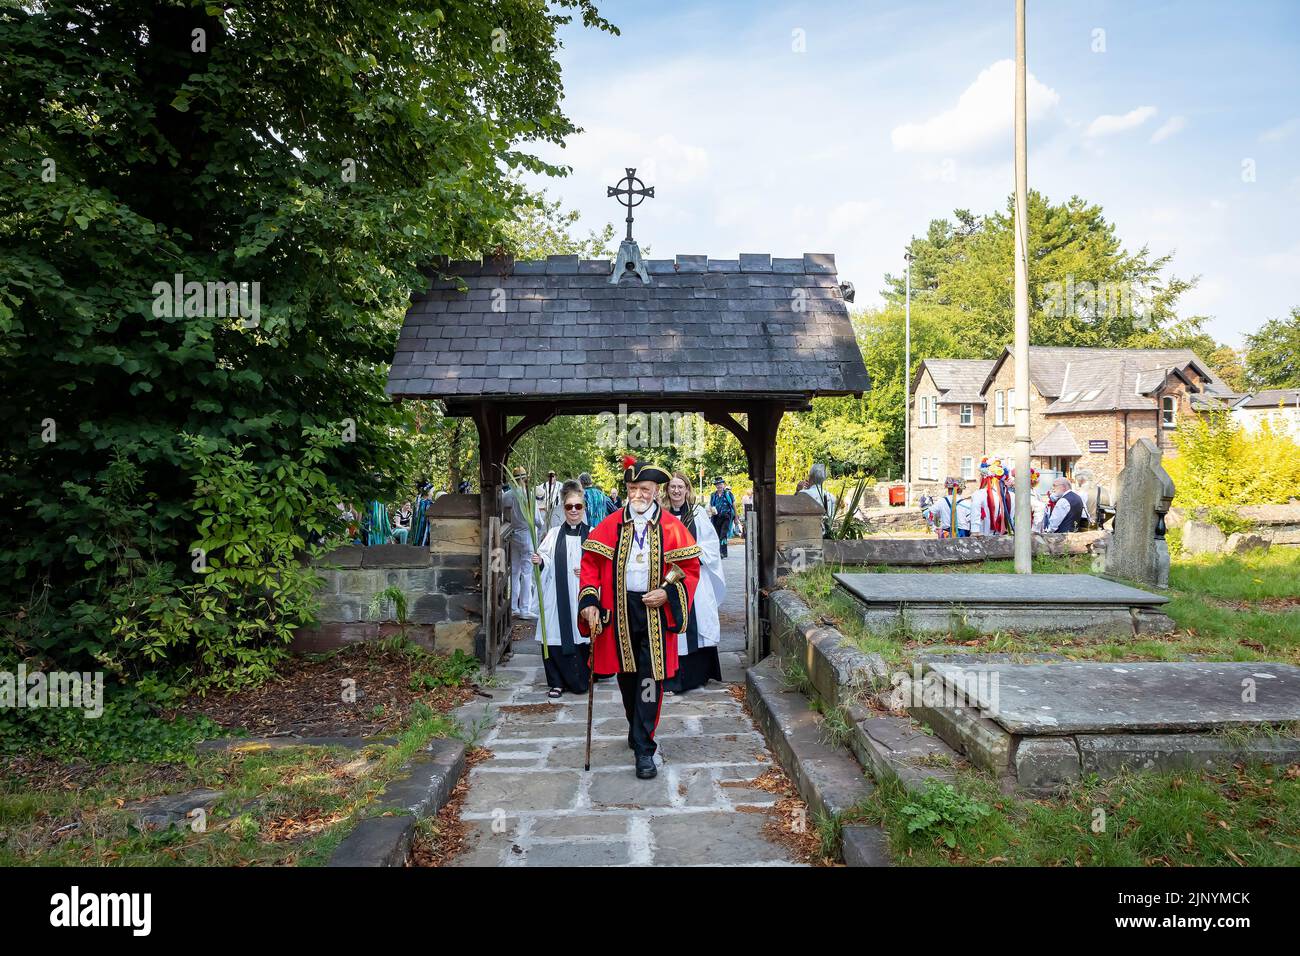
column 1201, row 537
column 1137, row 549
column 1241, row 542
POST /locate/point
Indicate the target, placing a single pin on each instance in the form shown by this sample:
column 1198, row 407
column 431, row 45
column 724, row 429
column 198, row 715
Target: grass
column 1210, row 602
column 279, row 806
column 1253, row 577
column 1242, row 816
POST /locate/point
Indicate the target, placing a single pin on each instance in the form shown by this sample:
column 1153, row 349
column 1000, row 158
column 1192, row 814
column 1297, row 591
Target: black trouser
column 722, row 525
column 642, row 694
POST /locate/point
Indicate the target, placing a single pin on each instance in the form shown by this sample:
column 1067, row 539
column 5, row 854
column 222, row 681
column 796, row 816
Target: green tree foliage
column 1221, row 464
column 541, row 228
column 1085, row 288
column 1273, row 353
column 324, row 151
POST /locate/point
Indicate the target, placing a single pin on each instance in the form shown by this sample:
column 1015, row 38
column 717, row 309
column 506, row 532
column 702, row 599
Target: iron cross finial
column 636, row 193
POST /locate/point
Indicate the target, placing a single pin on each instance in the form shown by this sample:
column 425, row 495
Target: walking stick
column 591, row 692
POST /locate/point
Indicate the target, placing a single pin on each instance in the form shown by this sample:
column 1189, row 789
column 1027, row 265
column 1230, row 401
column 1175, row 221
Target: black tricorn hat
column 634, row 469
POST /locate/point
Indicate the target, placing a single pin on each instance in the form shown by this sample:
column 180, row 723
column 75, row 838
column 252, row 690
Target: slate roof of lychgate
column 754, row 326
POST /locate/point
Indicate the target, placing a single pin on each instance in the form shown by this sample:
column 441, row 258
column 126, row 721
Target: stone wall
column 442, row 585
column 1270, row 525
column 798, row 533
column 926, row 552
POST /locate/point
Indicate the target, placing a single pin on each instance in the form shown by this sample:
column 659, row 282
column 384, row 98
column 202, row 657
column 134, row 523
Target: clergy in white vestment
column 697, row 645
column 566, row 660
column 523, row 602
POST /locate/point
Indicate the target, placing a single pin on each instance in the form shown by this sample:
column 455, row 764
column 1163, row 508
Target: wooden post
column 764, row 421
column 491, row 424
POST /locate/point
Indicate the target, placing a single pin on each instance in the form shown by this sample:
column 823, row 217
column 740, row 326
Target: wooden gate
column 496, row 593
column 753, row 637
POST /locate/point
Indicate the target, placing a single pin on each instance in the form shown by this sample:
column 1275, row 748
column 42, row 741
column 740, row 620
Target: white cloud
column 1280, row 132
column 984, row 114
column 853, row 215
column 606, row 150
column 1285, row 261
column 1170, row 126
column 1108, row 125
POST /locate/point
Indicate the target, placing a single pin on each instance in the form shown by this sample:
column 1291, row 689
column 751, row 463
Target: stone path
column 531, row 804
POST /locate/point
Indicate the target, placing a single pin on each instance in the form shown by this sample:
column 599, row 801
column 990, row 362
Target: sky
column 846, row 127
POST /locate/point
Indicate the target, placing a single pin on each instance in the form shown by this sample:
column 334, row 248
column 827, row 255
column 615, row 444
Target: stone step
column 892, row 747
column 827, row 777
column 421, row 790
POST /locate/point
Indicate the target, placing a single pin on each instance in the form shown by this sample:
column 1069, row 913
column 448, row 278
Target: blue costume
column 723, row 504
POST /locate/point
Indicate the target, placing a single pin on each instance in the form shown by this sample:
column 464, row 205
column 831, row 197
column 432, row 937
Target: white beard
column 640, row 507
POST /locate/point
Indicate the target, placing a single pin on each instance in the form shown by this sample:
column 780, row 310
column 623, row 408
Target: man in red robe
column 635, row 587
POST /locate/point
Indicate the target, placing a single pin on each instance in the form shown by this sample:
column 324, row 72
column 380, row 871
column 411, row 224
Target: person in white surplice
column 567, row 661
column 697, row 645
column 522, row 599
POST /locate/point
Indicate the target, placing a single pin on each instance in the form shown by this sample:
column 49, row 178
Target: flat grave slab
column 1003, row 589
column 1102, row 697
column 990, row 603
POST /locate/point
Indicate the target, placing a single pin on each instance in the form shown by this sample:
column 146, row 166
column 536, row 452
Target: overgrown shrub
column 254, row 533
column 224, row 620
column 1220, row 463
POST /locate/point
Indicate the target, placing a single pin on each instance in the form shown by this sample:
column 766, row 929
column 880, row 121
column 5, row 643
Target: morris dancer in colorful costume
column 953, row 516
column 994, row 499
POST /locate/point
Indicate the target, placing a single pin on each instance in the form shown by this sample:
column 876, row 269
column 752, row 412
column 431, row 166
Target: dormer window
column 1169, row 412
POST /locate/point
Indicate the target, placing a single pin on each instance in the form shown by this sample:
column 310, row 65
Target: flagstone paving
column 532, row 804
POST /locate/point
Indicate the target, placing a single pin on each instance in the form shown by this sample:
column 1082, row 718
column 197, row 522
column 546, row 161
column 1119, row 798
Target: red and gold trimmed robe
column 602, row 584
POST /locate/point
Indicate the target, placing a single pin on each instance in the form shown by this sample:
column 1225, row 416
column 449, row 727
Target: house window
column 968, row 468
column 967, row 415
column 999, row 408
column 1169, row 411
column 925, row 469
column 925, row 411
column 934, row 469
column 1011, row 407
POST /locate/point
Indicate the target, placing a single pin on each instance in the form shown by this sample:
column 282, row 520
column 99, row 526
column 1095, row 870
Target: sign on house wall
column 1098, row 446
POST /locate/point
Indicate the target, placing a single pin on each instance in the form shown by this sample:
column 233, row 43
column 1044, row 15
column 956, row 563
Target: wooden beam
column 530, row 421
column 723, row 419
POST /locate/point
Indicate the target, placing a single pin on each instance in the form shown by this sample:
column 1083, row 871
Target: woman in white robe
column 697, row 644
column 566, row 660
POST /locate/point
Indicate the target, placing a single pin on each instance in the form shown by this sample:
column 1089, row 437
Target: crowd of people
column 565, row 513
column 404, row 523
column 990, row 507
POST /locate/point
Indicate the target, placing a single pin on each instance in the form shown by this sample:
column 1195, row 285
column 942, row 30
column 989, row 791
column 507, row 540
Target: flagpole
column 1023, row 519
column 907, row 381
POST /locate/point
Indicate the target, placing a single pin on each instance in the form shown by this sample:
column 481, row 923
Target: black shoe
column 645, row 768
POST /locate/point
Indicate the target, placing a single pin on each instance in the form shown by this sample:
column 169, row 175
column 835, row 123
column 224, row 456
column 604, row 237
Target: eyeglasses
column 574, row 507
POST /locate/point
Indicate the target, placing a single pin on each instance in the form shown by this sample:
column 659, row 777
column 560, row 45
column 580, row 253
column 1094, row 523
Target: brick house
column 1087, row 407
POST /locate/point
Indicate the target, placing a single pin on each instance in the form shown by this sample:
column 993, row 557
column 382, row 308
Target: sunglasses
column 574, row 507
